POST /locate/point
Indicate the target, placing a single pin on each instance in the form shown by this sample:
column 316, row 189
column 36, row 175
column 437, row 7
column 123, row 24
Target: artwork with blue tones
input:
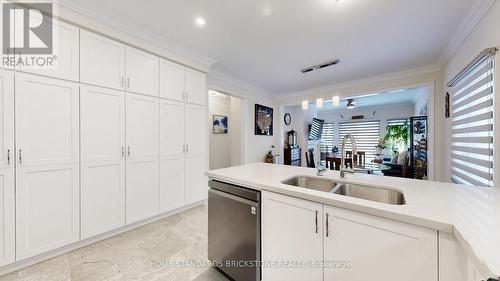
column 220, row 124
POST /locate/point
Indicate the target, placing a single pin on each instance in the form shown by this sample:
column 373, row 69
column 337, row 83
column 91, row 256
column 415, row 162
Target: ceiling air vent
column 319, row 66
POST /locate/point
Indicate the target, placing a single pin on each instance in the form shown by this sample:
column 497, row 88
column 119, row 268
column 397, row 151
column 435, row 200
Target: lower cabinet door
column 196, row 182
column 361, row 247
column 102, row 197
column 142, row 189
column 292, row 241
column 172, row 189
column 47, row 204
column 7, row 217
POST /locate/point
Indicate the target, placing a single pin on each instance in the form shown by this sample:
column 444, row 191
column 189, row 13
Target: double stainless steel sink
column 377, row 194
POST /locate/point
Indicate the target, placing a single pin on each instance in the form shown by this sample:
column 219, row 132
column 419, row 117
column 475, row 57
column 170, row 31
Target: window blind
column 396, row 122
column 366, row 133
column 472, row 124
column 327, row 138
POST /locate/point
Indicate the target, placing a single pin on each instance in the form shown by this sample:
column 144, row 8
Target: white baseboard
column 82, row 243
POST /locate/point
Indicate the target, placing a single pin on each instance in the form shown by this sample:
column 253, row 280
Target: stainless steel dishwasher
column 234, row 230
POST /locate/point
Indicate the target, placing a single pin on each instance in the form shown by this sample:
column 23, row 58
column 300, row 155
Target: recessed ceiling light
column 319, row 103
column 305, row 105
column 200, row 22
column 336, row 101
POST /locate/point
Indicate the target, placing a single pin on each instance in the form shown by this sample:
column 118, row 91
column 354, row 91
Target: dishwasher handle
column 233, row 197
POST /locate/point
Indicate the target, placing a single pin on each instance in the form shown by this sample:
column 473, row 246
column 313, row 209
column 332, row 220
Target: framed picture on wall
column 220, row 124
column 263, row 120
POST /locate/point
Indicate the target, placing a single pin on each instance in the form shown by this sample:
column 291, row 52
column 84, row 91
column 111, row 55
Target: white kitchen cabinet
column 142, row 179
column 47, row 155
column 47, row 120
column 142, row 72
column 7, row 217
column 172, row 147
column 7, row 193
column 6, row 119
column 172, row 183
column 171, row 80
column 171, row 128
column 196, row 129
column 142, row 200
column 66, row 50
column 103, row 160
column 292, row 231
column 377, row 249
column 196, row 182
column 196, row 87
column 142, row 127
column 102, row 61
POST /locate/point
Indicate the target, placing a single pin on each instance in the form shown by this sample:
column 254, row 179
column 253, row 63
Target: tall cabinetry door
column 196, row 129
column 142, row 72
column 103, row 160
column 2, row 43
column 142, row 187
column 196, row 87
column 102, row 61
column 171, row 80
column 7, row 199
column 172, row 147
column 47, row 174
column 291, row 231
column 378, row 249
column 195, row 160
column 66, row 50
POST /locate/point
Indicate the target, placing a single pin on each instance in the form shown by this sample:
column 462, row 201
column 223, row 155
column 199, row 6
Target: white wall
column 235, row 131
column 300, row 123
column 220, row 155
column 254, row 148
column 485, row 35
column 421, row 101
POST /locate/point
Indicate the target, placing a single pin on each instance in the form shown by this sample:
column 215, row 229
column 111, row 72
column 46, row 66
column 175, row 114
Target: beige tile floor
column 135, row 255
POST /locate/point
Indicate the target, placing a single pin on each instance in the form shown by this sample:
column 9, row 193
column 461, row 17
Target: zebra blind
column 366, row 133
column 327, row 138
column 472, row 124
column 396, row 122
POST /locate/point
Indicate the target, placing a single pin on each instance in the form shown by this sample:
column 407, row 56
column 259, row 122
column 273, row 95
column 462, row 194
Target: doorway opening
column 225, row 130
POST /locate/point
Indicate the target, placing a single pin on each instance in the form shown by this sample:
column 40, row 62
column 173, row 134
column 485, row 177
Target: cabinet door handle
column 128, row 83
column 187, row 95
column 187, row 148
column 123, row 151
column 316, row 221
column 327, row 225
column 20, row 156
column 122, row 82
column 128, row 151
column 8, row 156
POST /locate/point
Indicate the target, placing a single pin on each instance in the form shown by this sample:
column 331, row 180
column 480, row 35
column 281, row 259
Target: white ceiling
column 403, row 96
column 267, row 42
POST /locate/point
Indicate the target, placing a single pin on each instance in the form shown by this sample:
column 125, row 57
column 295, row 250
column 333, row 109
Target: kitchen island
column 464, row 221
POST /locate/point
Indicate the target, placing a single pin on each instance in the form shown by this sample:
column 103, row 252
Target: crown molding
column 473, row 18
column 226, row 83
column 175, row 51
column 360, row 82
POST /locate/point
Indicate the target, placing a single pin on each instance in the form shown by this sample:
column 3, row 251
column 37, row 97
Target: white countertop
column 472, row 214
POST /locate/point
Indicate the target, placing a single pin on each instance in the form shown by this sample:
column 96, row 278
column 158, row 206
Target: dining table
column 333, row 161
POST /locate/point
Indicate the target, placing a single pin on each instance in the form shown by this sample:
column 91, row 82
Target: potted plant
column 270, row 155
column 397, row 137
